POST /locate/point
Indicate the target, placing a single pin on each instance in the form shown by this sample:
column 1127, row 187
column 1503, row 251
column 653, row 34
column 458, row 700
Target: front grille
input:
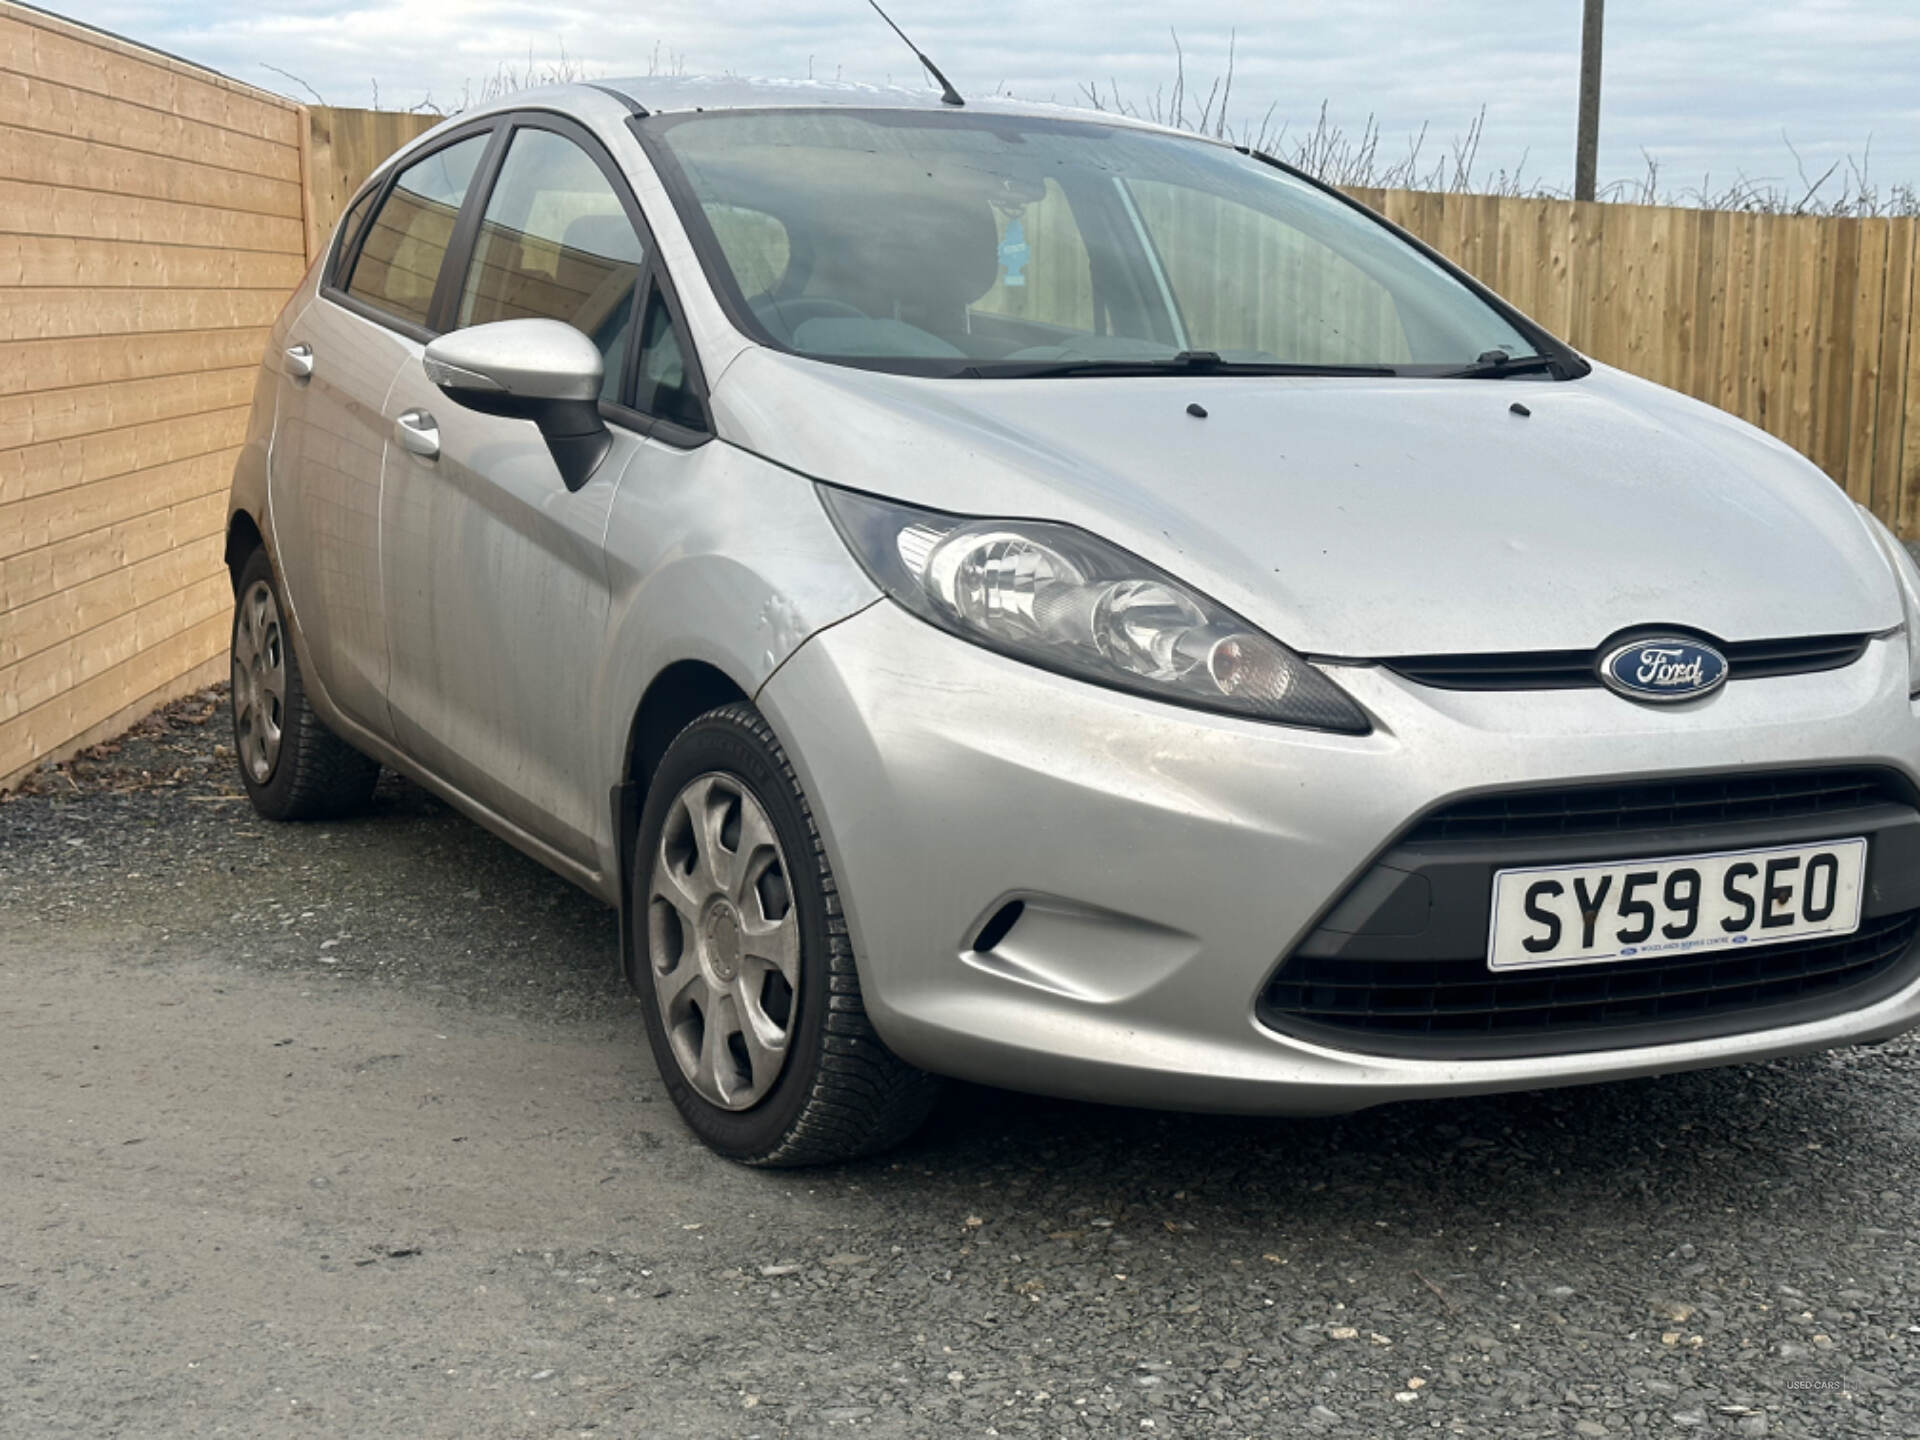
column 1459, row 1007
column 1659, row 805
column 1577, row 669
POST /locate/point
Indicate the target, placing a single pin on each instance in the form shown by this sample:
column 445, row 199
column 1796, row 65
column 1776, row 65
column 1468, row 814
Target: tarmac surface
column 350, row 1129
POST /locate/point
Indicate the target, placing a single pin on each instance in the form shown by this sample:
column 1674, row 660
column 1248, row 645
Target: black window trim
column 659, row 426
column 334, row 287
column 346, row 245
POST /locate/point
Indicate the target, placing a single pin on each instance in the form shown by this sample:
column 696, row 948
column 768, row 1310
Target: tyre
column 747, row 975
column 294, row 768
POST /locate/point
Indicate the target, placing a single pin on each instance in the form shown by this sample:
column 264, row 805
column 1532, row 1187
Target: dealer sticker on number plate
column 1584, row 914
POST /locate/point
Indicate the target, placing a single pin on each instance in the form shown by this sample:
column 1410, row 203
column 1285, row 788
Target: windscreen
column 962, row 243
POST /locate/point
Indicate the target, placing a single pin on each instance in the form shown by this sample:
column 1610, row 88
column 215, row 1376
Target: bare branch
column 1226, row 97
column 296, row 80
column 1179, row 80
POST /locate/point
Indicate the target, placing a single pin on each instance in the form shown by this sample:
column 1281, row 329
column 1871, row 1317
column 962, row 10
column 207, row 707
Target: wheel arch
column 680, row 693
column 243, row 538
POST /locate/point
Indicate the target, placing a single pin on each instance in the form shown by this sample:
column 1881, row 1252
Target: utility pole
column 1587, row 152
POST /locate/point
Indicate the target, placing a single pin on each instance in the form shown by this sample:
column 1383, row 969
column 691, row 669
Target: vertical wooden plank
column 1709, row 290
column 1428, row 213
column 1834, row 361
column 1598, row 287
column 1904, row 515
column 1556, row 251
column 1813, row 245
column 1892, row 425
column 322, row 186
column 1486, row 224
column 1743, row 240
column 1518, row 277
column 310, row 221
column 1772, row 324
column 1463, row 243
column 1683, row 279
column 1863, row 365
column 1649, row 242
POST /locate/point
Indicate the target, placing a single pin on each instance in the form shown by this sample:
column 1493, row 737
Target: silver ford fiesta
column 1003, row 592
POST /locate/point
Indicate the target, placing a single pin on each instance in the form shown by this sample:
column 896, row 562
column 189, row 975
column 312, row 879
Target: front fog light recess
column 1058, row 597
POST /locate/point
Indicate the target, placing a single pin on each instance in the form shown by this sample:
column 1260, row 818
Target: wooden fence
column 344, row 147
column 1808, row 327
column 152, row 222
column 153, row 216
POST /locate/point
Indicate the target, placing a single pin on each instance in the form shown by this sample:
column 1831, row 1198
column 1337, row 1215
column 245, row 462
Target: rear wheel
column 748, row 982
column 294, row 768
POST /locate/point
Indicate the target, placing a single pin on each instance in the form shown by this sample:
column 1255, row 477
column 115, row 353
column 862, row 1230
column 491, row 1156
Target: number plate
column 1583, row 914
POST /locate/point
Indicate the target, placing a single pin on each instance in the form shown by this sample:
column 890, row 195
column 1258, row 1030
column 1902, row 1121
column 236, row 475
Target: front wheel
column 747, row 981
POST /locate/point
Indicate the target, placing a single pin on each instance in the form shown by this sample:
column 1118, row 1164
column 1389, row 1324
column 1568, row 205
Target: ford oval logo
column 1663, row 669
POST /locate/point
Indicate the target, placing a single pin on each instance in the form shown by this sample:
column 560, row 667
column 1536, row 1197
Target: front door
column 493, row 572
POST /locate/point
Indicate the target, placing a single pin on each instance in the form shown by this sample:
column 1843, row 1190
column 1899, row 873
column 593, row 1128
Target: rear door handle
column 419, row 434
column 300, row 361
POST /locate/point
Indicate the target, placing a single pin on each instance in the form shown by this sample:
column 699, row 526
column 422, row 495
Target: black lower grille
column 1659, row 805
column 1460, row 1007
column 1578, row 669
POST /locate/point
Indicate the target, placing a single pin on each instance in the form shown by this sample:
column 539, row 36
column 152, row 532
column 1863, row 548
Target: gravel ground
column 350, row 1129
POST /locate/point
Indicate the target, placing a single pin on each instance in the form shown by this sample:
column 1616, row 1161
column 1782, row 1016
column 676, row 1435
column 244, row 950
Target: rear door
column 493, row 571
column 329, row 445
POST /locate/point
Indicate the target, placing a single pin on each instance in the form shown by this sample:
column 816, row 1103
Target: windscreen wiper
column 1498, row 364
column 1187, row 362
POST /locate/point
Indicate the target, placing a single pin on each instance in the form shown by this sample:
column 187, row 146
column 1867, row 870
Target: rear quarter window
column 349, row 228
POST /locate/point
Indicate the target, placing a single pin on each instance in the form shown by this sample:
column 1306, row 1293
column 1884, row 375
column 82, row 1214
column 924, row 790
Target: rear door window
column 399, row 261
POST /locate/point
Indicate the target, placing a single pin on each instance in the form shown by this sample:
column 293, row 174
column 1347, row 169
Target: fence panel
column 152, row 221
column 344, row 148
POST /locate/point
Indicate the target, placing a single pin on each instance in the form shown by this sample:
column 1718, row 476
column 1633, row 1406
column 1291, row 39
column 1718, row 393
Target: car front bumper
column 1170, row 859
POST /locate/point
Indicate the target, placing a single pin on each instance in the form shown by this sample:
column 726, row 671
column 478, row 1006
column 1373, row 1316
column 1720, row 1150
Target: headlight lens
column 1908, row 575
column 1060, row 598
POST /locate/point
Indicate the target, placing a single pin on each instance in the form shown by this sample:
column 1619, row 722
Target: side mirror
column 540, row 370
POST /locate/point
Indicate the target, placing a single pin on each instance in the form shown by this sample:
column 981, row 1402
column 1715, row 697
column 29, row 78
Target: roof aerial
column 948, row 95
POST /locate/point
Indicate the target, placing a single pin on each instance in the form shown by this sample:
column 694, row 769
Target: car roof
column 667, row 94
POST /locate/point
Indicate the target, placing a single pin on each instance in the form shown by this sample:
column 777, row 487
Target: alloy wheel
column 724, row 939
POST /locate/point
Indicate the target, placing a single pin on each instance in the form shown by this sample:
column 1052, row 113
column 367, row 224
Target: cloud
column 1705, row 88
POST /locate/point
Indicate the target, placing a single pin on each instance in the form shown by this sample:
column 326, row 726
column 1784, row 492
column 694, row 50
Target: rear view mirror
column 540, row 370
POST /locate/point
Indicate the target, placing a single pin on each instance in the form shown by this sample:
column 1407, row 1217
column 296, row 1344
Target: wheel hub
column 722, row 931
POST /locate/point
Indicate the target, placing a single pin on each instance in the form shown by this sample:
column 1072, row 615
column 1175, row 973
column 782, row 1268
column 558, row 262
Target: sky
column 1711, row 89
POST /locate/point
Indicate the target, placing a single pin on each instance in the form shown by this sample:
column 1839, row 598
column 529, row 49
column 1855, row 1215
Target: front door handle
column 300, row 361
column 419, row 434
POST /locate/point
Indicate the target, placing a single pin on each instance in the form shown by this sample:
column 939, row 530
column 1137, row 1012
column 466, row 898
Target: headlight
column 1062, row 599
column 1908, row 575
